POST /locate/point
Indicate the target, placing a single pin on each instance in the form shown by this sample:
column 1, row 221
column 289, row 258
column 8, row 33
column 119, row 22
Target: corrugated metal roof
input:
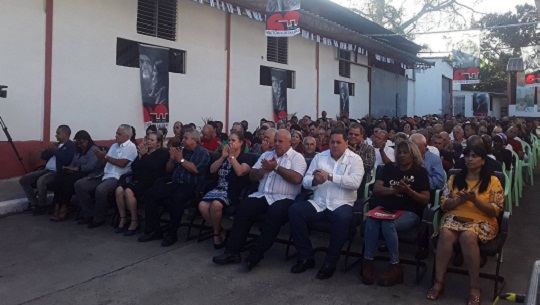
column 515, row 64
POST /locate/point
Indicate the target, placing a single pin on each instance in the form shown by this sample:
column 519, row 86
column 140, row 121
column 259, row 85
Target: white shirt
column 434, row 150
column 51, row 163
column 347, row 173
column 389, row 153
column 126, row 150
column 272, row 186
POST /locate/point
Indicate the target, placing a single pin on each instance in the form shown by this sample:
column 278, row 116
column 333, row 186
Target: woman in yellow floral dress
column 472, row 201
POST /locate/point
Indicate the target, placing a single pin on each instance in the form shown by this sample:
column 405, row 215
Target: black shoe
column 326, row 272
column 170, row 239
column 95, row 224
column 303, row 265
column 251, row 261
column 29, row 209
column 39, row 210
column 227, row 258
column 84, row 221
column 150, row 236
column 421, row 253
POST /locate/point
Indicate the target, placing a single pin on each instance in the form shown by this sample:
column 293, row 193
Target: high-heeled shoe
column 120, row 229
column 61, row 214
column 434, row 293
column 56, row 211
column 224, row 242
column 474, row 299
column 129, row 232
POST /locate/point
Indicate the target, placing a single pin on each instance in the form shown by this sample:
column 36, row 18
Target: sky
column 436, row 42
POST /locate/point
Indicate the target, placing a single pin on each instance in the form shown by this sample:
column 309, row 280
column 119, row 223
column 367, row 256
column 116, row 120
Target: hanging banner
column 531, row 63
column 283, row 17
column 524, row 94
column 154, row 71
column 466, row 68
column 344, row 99
column 279, row 94
column 481, row 103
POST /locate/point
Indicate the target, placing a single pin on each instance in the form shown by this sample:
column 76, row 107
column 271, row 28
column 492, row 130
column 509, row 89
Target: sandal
column 474, row 299
column 436, row 291
column 56, row 212
column 120, row 229
column 61, row 214
column 223, row 242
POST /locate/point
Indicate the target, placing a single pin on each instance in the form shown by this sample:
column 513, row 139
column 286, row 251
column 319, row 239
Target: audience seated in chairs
column 84, row 163
column 335, row 176
column 503, row 155
column 310, row 145
column 280, row 173
column 232, row 169
column 57, row 156
column 267, row 143
column 93, row 191
column 404, row 187
column 364, row 150
column 147, row 167
column 296, row 141
column 178, row 130
column 477, row 140
column 188, row 167
column 209, row 140
column 472, row 201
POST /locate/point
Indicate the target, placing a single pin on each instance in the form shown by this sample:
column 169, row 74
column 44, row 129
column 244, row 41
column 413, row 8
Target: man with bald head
column 383, row 153
column 279, row 172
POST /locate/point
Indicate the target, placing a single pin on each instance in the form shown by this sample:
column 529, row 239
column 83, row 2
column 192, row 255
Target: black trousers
column 175, row 195
column 247, row 212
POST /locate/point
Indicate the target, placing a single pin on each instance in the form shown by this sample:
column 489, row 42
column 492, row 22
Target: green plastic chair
column 528, row 165
column 516, row 174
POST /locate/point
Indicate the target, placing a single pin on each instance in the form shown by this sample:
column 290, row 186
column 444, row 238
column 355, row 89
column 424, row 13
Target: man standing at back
column 57, row 155
column 334, row 175
column 280, row 172
column 117, row 162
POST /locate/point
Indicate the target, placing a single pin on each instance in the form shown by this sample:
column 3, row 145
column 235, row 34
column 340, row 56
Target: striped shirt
column 198, row 156
column 347, row 173
column 272, row 186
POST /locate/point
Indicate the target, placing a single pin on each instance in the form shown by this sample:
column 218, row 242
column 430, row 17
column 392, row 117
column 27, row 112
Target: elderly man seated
column 209, row 140
column 334, row 176
column 280, row 173
column 188, row 167
column 117, row 162
column 57, row 156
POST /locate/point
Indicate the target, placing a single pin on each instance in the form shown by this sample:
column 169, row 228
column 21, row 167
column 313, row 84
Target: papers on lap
column 382, row 213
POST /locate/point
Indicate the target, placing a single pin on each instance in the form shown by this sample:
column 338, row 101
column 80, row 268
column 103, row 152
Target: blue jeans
column 302, row 213
column 389, row 228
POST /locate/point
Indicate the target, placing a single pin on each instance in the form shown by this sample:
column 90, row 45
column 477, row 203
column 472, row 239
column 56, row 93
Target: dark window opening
column 336, row 87
column 127, row 55
column 344, row 63
column 157, row 18
column 266, row 77
column 277, row 49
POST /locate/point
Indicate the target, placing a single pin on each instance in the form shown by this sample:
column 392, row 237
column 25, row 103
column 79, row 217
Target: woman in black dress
column 147, row 167
column 232, row 168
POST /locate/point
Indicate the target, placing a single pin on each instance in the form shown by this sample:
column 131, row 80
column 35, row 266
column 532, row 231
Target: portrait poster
column 466, row 68
column 154, row 75
column 344, row 99
column 279, row 94
column 481, row 104
column 524, row 94
column 531, row 64
column 283, row 18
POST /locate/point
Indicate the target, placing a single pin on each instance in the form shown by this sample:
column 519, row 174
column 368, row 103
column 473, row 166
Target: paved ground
column 62, row 263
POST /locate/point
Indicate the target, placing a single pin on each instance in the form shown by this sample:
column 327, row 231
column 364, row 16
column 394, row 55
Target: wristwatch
column 182, row 160
column 330, row 177
column 276, row 169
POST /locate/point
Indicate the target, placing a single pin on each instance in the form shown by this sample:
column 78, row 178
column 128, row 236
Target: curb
column 14, row 205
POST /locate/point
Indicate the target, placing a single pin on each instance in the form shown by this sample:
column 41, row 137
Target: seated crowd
column 330, row 159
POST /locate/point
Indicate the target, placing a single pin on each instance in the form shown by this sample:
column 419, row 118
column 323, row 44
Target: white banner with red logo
column 283, row 17
column 154, row 71
column 466, row 68
column 531, row 63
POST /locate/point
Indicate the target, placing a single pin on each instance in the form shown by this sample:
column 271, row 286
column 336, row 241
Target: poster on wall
column 531, row 63
column 283, row 17
column 279, row 94
column 154, row 75
column 344, row 99
column 466, row 68
column 524, row 94
column 481, row 103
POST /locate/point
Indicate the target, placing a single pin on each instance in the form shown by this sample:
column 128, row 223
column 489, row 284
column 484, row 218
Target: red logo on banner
column 160, row 112
column 532, row 79
column 469, row 74
column 277, row 22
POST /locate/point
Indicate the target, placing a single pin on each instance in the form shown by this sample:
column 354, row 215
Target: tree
column 500, row 44
column 413, row 15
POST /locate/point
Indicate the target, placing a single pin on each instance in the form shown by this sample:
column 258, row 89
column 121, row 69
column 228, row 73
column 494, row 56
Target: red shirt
column 516, row 145
column 212, row 144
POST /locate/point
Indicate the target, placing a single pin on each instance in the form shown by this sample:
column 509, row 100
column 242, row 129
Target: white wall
column 426, row 91
column 22, row 67
column 469, row 102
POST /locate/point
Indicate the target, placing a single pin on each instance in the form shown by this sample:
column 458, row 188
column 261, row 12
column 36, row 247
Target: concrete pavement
column 42, row 262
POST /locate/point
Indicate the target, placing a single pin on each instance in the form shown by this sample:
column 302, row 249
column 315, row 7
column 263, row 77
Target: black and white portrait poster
column 279, row 93
column 283, row 18
column 480, row 104
column 344, row 99
column 531, row 63
column 154, row 74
